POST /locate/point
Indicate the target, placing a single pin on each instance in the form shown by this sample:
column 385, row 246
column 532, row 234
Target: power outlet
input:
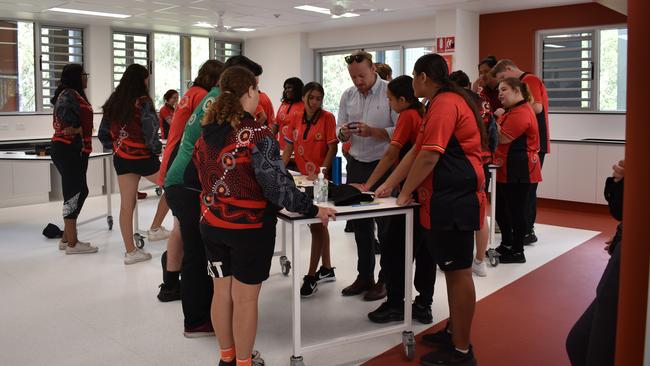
column 20, row 126
column 4, row 127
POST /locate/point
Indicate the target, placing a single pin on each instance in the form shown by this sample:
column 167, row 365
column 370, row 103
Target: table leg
column 108, row 184
column 408, row 338
column 493, row 205
column 296, row 359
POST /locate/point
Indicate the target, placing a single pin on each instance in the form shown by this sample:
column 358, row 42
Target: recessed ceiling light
column 88, row 12
column 244, row 29
column 203, row 25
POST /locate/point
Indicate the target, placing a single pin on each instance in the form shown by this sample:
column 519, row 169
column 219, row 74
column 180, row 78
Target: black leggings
column 72, row 165
column 512, row 213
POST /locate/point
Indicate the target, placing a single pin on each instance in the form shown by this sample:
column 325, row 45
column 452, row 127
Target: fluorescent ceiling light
column 244, row 29
column 317, row 9
column 554, row 46
column 88, row 12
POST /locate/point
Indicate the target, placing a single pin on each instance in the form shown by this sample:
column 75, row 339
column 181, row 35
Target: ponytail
column 234, row 82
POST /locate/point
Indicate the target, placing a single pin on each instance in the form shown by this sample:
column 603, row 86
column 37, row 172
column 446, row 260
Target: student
column 291, row 108
column 539, row 102
column 167, row 111
column 130, row 127
column 182, row 187
column 243, row 182
column 71, row 145
column 519, row 167
column 265, row 113
column 446, row 160
column 170, row 289
column 402, row 100
column 487, row 86
column 313, row 139
column 384, row 71
column 461, row 80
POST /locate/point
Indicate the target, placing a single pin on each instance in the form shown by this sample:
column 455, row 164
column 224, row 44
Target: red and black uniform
column 70, row 153
column 182, row 114
column 287, row 113
column 456, row 205
column 491, row 96
column 266, row 105
column 166, row 114
column 404, row 137
column 519, row 168
column 311, row 139
column 243, row 183
column 135, row 143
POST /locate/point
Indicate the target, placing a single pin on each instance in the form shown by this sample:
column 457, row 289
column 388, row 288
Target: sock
column 463, row 351
column 228, row 354
column 477, row 261
column 246, row 362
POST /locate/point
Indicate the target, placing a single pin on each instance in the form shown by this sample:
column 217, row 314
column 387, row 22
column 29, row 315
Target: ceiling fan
column 339, row 8
column 221, row 28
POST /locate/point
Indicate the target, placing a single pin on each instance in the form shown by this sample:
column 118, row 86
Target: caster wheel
column 139, row 240
column 109, row 221
column 493, row 257
column 159, row 191
column 285, row 264
column 296, row 361
column 408, row 340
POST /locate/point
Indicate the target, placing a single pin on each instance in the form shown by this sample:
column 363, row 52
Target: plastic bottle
column 320, row 187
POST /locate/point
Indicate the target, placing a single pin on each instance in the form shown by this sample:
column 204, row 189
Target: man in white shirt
column 365, row 119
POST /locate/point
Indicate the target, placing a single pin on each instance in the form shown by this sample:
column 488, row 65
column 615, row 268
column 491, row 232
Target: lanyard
column 309, row 122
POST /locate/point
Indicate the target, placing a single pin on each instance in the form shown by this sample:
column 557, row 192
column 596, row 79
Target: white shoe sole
column 137, row 260
column 85, row 251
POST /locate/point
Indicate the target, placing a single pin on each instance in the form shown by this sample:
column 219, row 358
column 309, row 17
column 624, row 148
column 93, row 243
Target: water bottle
column 320, row 188
column 336, row 170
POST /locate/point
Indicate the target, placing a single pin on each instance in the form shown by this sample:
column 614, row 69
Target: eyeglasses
column 356, row 58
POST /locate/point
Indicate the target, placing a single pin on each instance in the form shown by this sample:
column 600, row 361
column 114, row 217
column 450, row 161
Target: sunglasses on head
column 355, row 58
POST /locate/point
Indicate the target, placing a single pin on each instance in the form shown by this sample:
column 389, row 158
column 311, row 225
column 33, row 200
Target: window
column 166, row 65
column 17, row 93
column 200, row 53
column 128, row 48
column 59, row 46
column 584, row 70
column 223, row 50
column 334, row 72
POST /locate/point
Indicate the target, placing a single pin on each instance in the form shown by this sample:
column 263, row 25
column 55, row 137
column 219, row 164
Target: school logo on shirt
column 183, row 102
column 191, row 120
column 319, row 136
column 208, row 104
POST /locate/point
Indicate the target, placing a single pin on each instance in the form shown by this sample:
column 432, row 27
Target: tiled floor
column 91, row 309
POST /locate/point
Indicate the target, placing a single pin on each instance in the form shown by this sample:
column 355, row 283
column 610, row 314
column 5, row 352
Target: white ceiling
column 267, row 16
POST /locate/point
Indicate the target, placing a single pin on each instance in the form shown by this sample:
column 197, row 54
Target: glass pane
column 411, row 55
column 200, row 52
column 167, row 65
column 613, row 69
column 336, row 79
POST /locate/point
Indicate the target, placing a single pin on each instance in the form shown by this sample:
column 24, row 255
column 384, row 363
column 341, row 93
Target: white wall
column 281, row 57
column 582, row 126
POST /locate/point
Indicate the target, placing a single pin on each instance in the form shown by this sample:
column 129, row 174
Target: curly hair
column 235, row 81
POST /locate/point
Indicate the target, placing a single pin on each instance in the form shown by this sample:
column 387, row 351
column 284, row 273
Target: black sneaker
column 449, row 356
column 309, row 286
column 512, row 257
column 386, row 313
column 440, row 338
column 325, row 275
column 530, row 238
column 422, row 313
column 502, row 248
column 169, row 293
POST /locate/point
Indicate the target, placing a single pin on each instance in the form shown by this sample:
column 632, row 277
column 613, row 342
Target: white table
column 381, row 207
column 108, row 176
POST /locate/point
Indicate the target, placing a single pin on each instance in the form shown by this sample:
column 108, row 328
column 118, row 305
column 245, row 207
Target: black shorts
column 244, row 254
column 452, row 249
column 141, row 167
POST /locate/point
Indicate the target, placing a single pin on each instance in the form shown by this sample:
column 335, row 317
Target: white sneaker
column 138, row 255
column 64, row 244
column 157, row 234
column 479, row 268
column 80, row 248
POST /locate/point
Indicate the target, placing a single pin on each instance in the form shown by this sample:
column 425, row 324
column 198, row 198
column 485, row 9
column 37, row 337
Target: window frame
column 595, row 59
column 135, row 33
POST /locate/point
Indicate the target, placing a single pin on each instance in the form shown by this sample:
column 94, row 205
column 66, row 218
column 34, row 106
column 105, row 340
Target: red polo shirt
column 518, row 160
column 453, row 195
column 538, row 91
column 287, row 113
column 310, row 141
column 265, row 105
column 406, row 129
